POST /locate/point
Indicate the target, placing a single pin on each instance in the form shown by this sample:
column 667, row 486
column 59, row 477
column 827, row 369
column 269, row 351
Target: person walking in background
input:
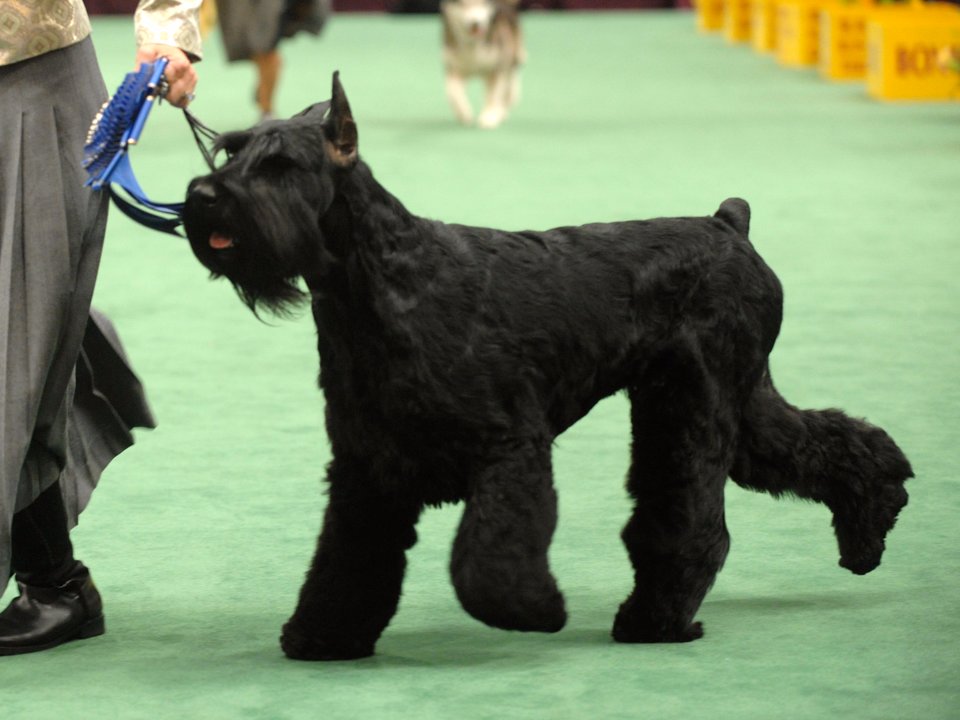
column 252, row 30
column 68, row 399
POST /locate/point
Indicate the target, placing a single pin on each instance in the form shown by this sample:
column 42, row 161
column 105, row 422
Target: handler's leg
column 353, row 586
column 58, row 600
column 676, row 538
column 499, row 563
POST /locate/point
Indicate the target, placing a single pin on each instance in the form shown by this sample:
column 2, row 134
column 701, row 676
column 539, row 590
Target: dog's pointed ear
column 340, row 129
column 318, row 110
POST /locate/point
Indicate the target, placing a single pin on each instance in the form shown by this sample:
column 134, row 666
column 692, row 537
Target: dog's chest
column 475, row 57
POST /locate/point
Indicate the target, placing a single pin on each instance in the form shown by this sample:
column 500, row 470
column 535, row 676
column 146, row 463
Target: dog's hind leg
column 851, row 466
column 499, row 562
column 684, row 434
column 353, row 586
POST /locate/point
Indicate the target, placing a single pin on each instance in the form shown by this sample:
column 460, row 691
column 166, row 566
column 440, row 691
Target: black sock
column 42, row 551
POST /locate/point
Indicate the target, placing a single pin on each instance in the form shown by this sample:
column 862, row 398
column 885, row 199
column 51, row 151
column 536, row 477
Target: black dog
column 452, row 356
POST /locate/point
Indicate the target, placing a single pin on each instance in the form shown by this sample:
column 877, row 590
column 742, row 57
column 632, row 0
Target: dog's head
column 471, row 20
column 255, row 218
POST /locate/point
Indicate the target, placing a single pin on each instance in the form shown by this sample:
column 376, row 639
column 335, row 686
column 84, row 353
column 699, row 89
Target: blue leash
column 116, row 128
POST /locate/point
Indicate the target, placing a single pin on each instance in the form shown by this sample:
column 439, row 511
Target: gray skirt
column 60, row 419
column 253, row 27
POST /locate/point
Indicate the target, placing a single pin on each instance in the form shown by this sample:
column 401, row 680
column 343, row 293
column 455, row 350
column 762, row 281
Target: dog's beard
column 280, row 296
column 257, row 238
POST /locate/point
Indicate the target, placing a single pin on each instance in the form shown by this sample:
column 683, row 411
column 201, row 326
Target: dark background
column 97, row 7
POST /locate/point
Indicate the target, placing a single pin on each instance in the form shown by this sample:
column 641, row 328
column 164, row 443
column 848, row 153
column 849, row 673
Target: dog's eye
column 276, row 164
column 232, row 142
column 224, row 155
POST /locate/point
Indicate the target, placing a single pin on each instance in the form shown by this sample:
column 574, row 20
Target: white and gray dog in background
column 482, row 38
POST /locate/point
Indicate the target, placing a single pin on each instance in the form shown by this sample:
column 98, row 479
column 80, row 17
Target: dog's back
column 588, row 303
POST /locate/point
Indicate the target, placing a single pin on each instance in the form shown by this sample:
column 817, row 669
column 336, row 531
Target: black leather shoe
column 44, row 617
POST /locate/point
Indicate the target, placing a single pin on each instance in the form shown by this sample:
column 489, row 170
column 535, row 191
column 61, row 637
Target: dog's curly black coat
column 452, row 356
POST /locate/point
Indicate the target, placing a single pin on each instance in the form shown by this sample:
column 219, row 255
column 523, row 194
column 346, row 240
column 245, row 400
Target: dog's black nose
column 203, row 191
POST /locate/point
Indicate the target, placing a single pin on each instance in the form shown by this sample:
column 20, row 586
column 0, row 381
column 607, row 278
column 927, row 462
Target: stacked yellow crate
column 898, row 48
column 764, row 25
column 843, row 39
column 709, row 14
column 738, row 20
column 904, row 50
column 798, row 32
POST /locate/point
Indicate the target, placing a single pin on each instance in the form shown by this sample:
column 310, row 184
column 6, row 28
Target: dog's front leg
column 353, row 586
column 513, row 87
column 497, row 100
column 499, row 562
column 457, row 95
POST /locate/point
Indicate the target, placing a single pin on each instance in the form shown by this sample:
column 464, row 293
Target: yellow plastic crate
column 843, row 41
column 764, row 25
column 737, row 20
column 709, row 14
column 798, row 32
column 903, row 50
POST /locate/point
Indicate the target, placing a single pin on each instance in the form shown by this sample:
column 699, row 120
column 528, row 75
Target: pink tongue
column 220, row 242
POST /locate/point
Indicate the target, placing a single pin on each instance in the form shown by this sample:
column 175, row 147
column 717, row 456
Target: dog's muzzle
column 202, row 195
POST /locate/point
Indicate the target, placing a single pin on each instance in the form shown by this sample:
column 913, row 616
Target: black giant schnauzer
column 452, row 356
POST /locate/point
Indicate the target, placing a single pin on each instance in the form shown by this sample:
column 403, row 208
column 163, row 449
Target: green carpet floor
column 199, row 535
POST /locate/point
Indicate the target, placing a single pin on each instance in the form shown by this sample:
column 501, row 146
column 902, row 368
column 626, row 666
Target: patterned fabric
column 169, row 22
column 33, row 27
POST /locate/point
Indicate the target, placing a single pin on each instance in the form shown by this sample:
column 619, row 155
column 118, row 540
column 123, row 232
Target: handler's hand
column 179, row 73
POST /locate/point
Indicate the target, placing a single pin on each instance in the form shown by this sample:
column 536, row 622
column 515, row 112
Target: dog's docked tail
column 849, row 465
column 736, row 213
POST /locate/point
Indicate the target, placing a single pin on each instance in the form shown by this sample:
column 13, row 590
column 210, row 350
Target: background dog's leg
column 499, row 561
column 513, row 90
column 457, row 95
column 495, row 104
column 683, row 438
column 851, row 466
column 353, row 586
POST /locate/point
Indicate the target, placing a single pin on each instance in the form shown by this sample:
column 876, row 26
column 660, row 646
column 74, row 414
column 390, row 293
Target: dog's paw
column 545, row 614
column 626, row 632
column 537, row 606
column 861, row 528
column 491, row 118
column 633, row 626
column 865, row 505
column 299, row 647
